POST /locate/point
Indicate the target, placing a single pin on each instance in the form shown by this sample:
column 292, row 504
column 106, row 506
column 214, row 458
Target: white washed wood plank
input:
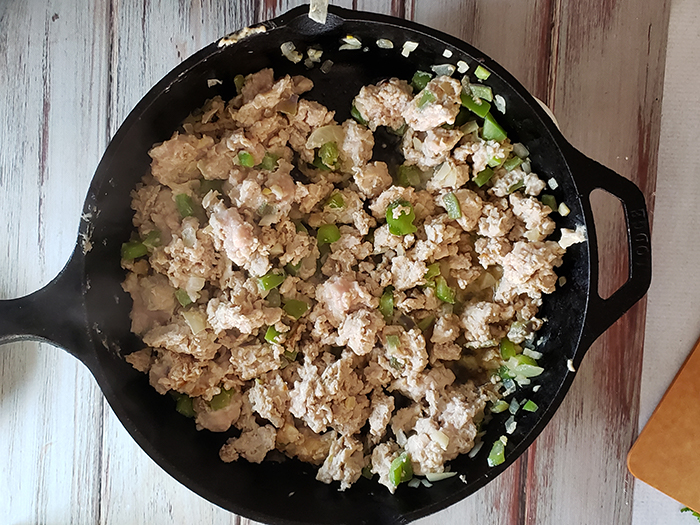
column 136, row 490
column 620, row 54
column 145, row 64
column 151, row 38
column 673, row 323
column 148, row 40
column 52, row 120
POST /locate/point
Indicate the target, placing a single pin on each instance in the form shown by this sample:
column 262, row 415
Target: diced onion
column 325, row 134
column 447, row 53
column 552, row 183
column 475, row 450
column 441, row 438
column 439, row 476
column 563, row 210
column 196, row 320
column 288, row 106
column 443, row 69
column 350, row 42
column 318, row 11
column 511, row 424
column 414, row 483
column 326, row 66
column 462, row 67
column 514, row 407
column 314, row 54
column 401, row 438
column 532, row 353
column 570, row 365
column 562, row 280
column 189, row 235
column 509, row 385
column 521, row 151
column 211, row 82
column 289, row 51
column 500, row 103
column 446, row 176
column 532, row 235
column 522, row 380
column 569, row 237
column 408, row 48
column 384, row 43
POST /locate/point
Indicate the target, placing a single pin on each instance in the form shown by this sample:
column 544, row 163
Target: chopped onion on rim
column 462, row 67
column 384, row 43
column 439, row 476
column 443, row 69
column 289, row 51
column 521, row 151
column 500, row 103
column 318, row 11
column 350, row 42
column 408, row 48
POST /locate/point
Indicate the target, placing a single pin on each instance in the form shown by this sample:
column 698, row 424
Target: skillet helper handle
column 54, row 314
column 602, row 313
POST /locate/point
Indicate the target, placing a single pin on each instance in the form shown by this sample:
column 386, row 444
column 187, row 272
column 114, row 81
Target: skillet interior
column 287, row 492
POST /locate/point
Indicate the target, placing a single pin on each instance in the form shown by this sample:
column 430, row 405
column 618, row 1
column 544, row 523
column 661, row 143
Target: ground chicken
column 270, row 287
column 436, row 105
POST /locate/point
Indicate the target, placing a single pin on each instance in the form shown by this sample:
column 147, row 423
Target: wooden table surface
column 70, row 72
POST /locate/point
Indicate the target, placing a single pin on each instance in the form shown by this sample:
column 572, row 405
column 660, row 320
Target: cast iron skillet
column 85, row 311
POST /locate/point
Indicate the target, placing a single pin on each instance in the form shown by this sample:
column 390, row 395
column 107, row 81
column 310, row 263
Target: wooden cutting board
column 666, row 453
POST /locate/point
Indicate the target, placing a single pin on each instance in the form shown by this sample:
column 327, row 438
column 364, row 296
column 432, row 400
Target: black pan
column 85, row 311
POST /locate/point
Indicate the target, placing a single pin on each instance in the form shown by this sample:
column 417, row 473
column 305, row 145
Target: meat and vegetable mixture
column 362, row 317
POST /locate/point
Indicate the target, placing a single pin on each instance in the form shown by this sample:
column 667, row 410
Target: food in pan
column 313, row 301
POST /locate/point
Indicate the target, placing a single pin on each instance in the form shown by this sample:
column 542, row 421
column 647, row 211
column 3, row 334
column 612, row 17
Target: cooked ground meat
column 331, row 319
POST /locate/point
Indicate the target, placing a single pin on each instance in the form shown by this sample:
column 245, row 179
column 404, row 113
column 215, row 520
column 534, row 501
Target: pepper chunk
column 327, row 234
column 386, row 303
column 498, row 452
column 184, row 205
column 480, row 108
column 420, row 80
column 401, row 469
column 295, row 308
column 328, row 153
column 492, row 130
column 483, row 177
column 443, row 291
column 400, row 217
column 454, row 210
column 246, row 159
column 221, row 400
column 271, row 279
column 272, row 335
column 133, row 250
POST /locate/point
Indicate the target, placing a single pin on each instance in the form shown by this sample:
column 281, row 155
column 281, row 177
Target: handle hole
column 611, row 230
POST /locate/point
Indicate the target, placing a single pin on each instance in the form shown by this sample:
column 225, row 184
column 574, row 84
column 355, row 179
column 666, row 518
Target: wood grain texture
column 72, row 70
column 52, row 117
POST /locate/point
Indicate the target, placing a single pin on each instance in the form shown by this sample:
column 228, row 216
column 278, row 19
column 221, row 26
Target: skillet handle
column 602, row 313
column 54, row 314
